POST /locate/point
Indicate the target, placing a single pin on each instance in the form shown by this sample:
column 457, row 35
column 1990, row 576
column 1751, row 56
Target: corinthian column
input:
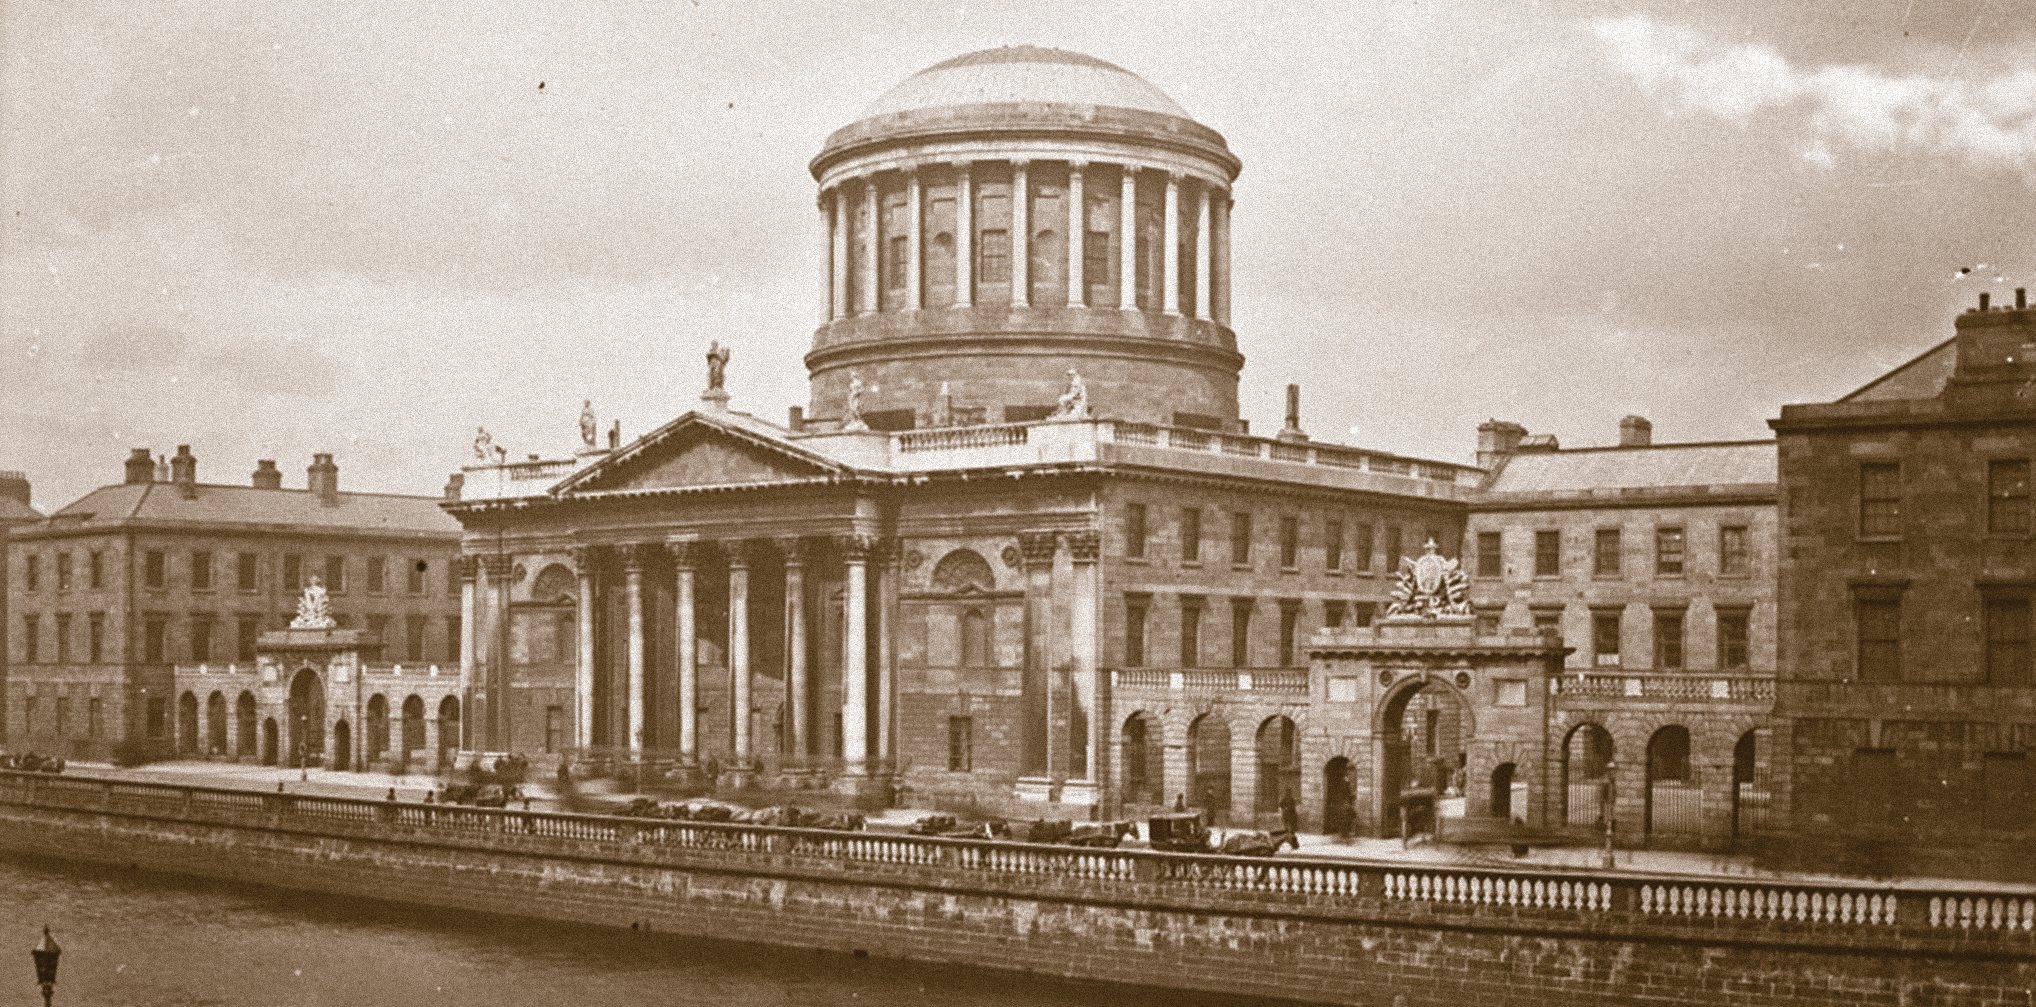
column 583, row 667
column 872, row 291
column 738, row 648
column 826, row 260
column 795, row 644
column 1127, row 241
column 1170, row 282
column 838, row 264
column 1205, row 278
column 887, row 556
column 689, row 669
column 1038, row 549
column 964, row 237
column 914, row 242
column 470, row 604
column 855, row 552
column 633, row 571
column 1077, row 236
column 495, row 730
column 1219, row 299
column 1021, row 237
column 1083, row 548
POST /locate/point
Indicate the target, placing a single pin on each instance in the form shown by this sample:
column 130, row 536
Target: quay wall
column 1315, row 930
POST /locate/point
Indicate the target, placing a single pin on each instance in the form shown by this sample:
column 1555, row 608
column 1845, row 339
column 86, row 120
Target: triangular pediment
column 700, row 451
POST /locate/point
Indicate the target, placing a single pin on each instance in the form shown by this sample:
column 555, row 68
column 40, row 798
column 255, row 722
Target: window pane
column 1605, row 553
column 1547, row 553
column 1732, row 640
column 1880, row 500
column 1668, row 641
column 1732, row 557
column 1668, row 552
column 2007, row 640
column 1489, row 563
column 1880, row 650
column 1191, row 535
column 2008, row 497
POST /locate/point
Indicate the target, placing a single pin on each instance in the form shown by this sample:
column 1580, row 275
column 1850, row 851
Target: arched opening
column 413, row 725
column 269, row 741
column 215, row 724
column 244, row 724
column 1339, row 797
column 1209, row 766
column 307, row 717
column 378, row 726
column 342, row 746
column 448, row 727
column 1423, row 750
column 187, row 724
column 1143, row 753
column 974, row 645
column 1675, row 804
column 1586, row 769
column 1502, row 791
column 1750, row 796
column 1279, row 765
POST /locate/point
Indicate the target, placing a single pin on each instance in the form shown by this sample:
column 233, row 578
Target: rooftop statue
column 1074, row 403
column 717, row 365
column 314, row 609
column 851, row 414
column 486, row 449
column 589, row 428
column 1430, row 587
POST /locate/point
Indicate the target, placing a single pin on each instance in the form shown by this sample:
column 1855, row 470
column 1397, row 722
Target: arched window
column 1144, row 755
column 963, row 570
column 1209, row 765
column 1279, row 764
column 555, row 585
column 975, row 639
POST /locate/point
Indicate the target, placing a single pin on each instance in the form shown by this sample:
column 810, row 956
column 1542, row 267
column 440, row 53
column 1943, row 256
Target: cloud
column 1988, row 122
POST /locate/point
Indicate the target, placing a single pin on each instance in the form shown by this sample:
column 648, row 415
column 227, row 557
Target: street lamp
column 45, row 955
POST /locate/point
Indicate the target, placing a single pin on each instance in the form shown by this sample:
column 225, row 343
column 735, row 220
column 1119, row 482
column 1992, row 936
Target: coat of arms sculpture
column 314, row 609
column 1430, row 587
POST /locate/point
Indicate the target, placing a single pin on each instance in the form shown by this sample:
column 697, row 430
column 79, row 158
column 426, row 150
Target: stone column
column 1170, row 282
column 1077, row 236
column 855, row 551
column 633, row 571
column 915, row 242
column 1021, row 237
column 887, row 613
column 469, row 634
column 826, row 260
column 583, row 670
column 872, row 289
column 738, row 649
column 497, row 570
column 838, row 264
column 1127, row 241
column 1038, row 549
column 964, row 237
column 688, row 640
column 795, row 645
column 1219, row 295
column 1204, row 276
column 1083, row 548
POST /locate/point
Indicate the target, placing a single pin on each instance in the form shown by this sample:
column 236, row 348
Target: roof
column 1654, row 467
column 1923, row 377
column 247, row 506
column 14, row 511
column 1024, row 73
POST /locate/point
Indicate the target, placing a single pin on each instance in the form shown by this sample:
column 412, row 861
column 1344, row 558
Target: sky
column 271, row 229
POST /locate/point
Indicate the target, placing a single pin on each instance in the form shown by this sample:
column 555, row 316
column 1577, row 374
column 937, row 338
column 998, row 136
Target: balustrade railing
column 1274, row 681
column 1578, row 896
column 1728, row 687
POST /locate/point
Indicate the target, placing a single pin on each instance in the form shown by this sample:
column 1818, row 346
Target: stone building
column 16, row 509
column 112, row 593
column 1018, row 548
column 1906, row 578
column 1656, row 564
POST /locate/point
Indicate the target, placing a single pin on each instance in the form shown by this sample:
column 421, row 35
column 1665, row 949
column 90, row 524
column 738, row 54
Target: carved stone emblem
column 314, row 608
column 1430, row 587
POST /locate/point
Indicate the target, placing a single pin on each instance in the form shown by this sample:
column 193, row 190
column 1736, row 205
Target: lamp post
column 45, row 954
column 1605, row 807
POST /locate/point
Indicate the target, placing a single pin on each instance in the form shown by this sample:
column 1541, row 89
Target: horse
column 1101, row 835
column 1043, row 831
column 1252, row 843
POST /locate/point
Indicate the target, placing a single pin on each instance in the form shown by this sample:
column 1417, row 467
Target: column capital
column 1077, row 164
column 1084, row 545
column 687, row 554
column 495, row 565
column 793, row 548
column 739, row 552
column 468, row 567
column 890, row 550
column 583, row 558
column 961, row 165
column 634, row 555
column 855, row 548
column 1038, row 547
column 1020, row 163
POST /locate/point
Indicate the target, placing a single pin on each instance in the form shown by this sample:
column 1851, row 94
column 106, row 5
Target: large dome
column 1024, row 73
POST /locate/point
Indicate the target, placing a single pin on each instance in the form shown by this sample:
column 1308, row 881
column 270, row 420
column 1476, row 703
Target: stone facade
column 15, row 510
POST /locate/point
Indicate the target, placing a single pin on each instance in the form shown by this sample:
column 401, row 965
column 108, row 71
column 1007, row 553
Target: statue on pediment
column 717, row 365
column 1074, row 403
column 486, row 449
column 1430, row 587
column 589, row 427
column 314, row 608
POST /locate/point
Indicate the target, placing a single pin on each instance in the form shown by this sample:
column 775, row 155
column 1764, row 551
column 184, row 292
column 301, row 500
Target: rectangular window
column 1191, row 536
column 1240, row 539
column 1332, row 545
column 95, row 717
column 1880, row 639
column 1880, row 500
column 1733, row 650
column 335, row 574
column 413, row 637
column 2007, row 639
column 64, row 570
column 378, row 629
column 453, row 638
column 2004, row 780
column 1547, row 619
column 1135, row 608
column 378, row 574
column 31, row 625
column 1733, row 557
column 1362, row 549
column 293, row 573
column 1363, row 612
column 245, row 576
column 895, row 258
column 201, row 571
column 31, row 573
column 1290, row 629
column 153, row 631
column 153, row 572
column 95, row 637
column 1873, row 787
column 993, row 256
column 1606, row 547
column 1191, row 632
column 201, row 638
column 1096, row 263
column 249, row 628
column 1548, row 553
column 554, row 728
column 95, row 570
column 1393, row 550
column 1486, row 621
column 1668, row 640
column 1290, row 543
column 1332, row 614
column 417, row 571
column 158, row 717
column 1668, row 552
column 961, row 744
column 1240, row 633
column 63, row 638
column 2008, row 497
column 1605, row 637
column 1490, row 561
column 1134, row 530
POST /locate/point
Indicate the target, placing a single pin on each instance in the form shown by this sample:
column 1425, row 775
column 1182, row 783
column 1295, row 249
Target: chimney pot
column 184, row 471
column 14, row 486
column 795, row 418
column 141, row 466
column 2021, row 298
column 1635, row 432
column 1984, row 297
column 322, row 477
column 266, row 476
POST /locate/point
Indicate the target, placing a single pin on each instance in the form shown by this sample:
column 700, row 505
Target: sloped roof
column 743, row 427
column 162, row 503
column 1655, row 467
column 1923, row 377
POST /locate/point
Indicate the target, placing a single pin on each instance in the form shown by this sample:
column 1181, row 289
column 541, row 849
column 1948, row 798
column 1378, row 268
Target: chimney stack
column 322, row 477
column 14, row 486
column 455, row 484
column 141, row 466
column 2021, row 298
column 266, row 476
column 1635, row 432
column 1292, row 431
column 184, row 472
column 1496, row 440
column 1984, row 297
column 795, row 418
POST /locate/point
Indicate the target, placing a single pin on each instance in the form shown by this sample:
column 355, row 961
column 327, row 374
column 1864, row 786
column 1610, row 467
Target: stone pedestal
column 1085, row 793
column 1034, row 788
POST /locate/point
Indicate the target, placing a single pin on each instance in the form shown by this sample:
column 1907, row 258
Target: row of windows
column 2006, row 504
column 204, row 639
column 1671, row 552
column 244, row 569
column 1671, row 628
column 95, row 716
column 1243, row 614
column 2004, row 636
column 1344, row 546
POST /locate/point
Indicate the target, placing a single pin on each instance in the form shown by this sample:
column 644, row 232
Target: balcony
column 1267, row 681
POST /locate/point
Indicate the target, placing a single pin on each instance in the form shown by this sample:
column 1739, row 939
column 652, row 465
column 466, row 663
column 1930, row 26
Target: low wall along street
column 1319, row 930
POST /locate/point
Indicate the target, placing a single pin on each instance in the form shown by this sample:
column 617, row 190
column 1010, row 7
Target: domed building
column 1017, row 551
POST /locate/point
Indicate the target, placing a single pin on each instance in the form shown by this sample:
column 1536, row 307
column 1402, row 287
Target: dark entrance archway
column 1339, row 797
column 448, row 728
column 378, row 727
column 342, row 746
column 269, row 742
column 1143, row 757
column 1279, row 765
column 307, row 717
column 187, row 724
column 1424, row 734
column 244, row 725
column 1675, row 804
column 1750, row 784
column 1502, row 791
column 413, row 725
column 215, row 724
column 1209, row 765
column 1586, row 767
